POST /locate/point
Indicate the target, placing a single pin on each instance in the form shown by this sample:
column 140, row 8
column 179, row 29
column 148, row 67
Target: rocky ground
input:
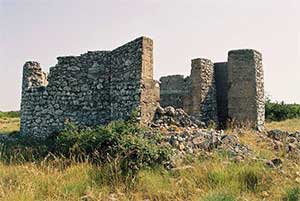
column 189, row 136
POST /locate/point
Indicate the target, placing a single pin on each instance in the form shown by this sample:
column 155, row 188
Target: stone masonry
column 223, row 92
column 91, row 89
column 174, row 90
column 246, row 88
column 203, row 93
column 195, row 94
column 101, row 86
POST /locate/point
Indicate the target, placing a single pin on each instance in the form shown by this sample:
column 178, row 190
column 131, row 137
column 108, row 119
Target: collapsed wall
column 91, row 89
column 195, row 94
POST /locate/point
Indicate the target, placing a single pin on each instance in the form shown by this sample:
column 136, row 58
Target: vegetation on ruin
column 31, row 173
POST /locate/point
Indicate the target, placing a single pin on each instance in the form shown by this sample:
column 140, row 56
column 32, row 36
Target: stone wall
column 196, row 94
column 204, row 103
column 246, row 88
column 232, row 90
column 90, row 89
column 33, row 87
column 100, row 86
column 221, row 78
column 173, row 89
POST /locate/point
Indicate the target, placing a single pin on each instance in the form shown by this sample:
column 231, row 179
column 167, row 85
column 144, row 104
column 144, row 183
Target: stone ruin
column 220, row 92
column 91, row 89
column 101, row 86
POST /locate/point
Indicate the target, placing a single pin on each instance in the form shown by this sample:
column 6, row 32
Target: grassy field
column 287, row 125
column 9, row 125
column 216, row 177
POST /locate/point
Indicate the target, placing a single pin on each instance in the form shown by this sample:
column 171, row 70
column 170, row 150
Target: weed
column 219, row 197
column 292, row 194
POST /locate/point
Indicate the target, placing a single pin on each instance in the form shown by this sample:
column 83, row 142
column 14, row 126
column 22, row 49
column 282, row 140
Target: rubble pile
column 194, row 141
column 288, row 141
column 165, row 117
column 190, row 136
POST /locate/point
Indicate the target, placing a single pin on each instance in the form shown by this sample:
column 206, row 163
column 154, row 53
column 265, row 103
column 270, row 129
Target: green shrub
column 123, row 141
column 126, row 144
column 10, row 114
column 281, row 111
column 292, row 194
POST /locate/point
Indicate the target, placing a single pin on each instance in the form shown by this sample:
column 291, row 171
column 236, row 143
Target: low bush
column 281, row 111
column 126, row 144
column 10, row 114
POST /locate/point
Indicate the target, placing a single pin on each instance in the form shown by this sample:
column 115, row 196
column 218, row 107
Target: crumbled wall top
column 93, row 88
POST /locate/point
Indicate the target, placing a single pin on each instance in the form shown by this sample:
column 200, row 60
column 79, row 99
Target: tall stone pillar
column 246, row 103
column 204, row 103
column 150, row 91
column 33, row 77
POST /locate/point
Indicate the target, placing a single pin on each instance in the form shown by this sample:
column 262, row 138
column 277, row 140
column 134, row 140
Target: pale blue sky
column 41, row 30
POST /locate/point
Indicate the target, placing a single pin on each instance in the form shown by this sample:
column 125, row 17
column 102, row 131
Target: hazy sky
column 41, row 30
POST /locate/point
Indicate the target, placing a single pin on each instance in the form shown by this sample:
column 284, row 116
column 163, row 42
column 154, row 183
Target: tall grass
column 292, row 194
column 32, row 172
column 290, row 125
column 62, row 179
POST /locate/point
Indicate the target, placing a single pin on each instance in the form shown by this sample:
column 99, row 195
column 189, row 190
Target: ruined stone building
column 91, row 89
column 100, row 86
column 232, row 90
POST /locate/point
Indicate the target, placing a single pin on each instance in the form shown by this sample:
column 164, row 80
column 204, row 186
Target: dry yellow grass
column 290, row 125
column 8, row 125
column 215, row 178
